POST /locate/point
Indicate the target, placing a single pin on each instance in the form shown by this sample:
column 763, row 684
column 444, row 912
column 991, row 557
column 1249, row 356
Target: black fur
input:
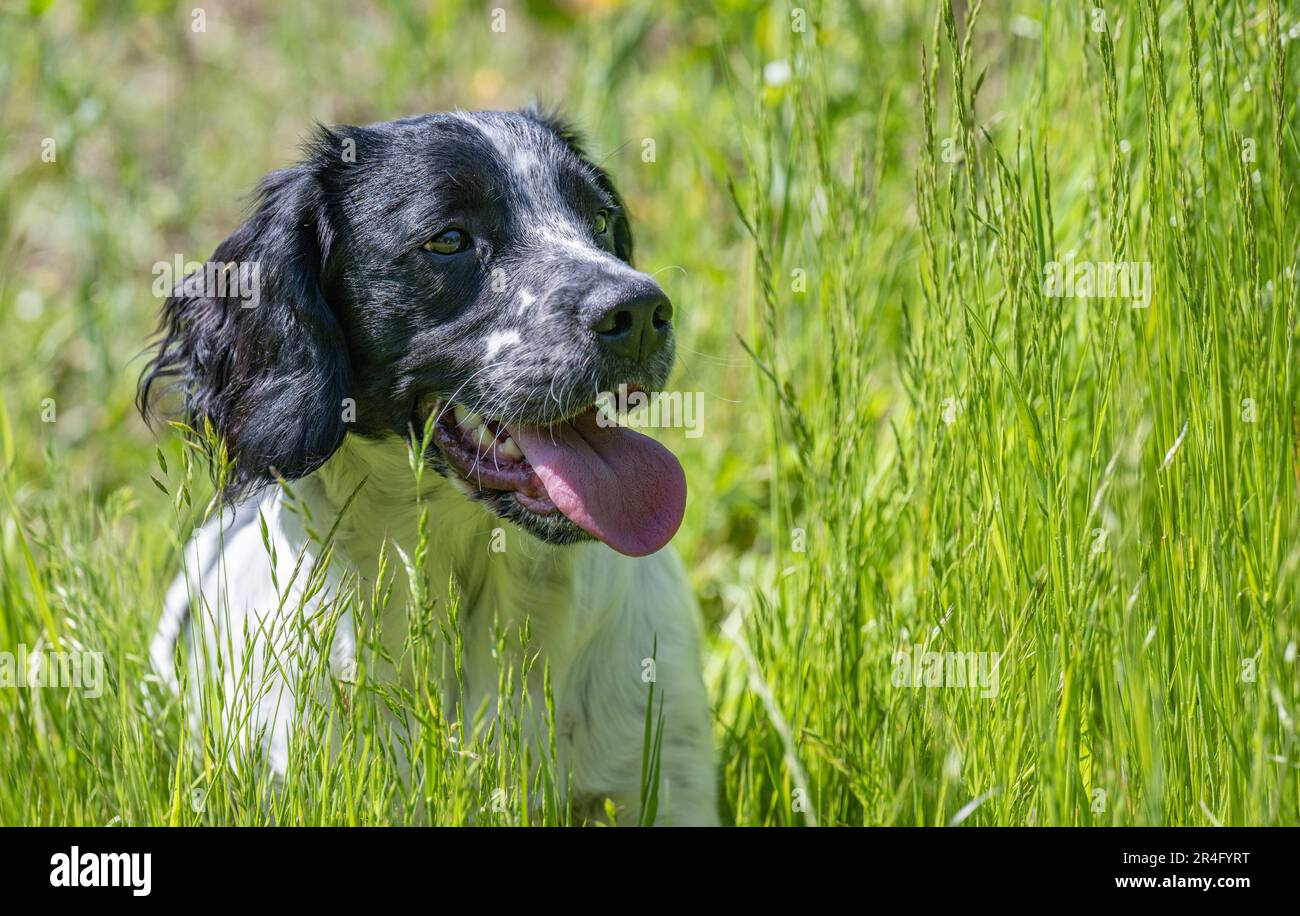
column 353, row 311
column 270, row 378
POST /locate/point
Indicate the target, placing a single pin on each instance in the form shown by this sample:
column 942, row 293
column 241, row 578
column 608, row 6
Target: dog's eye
column 600, row 225
column 449, row 241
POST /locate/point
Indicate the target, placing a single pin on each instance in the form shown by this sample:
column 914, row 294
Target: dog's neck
column 370, row 489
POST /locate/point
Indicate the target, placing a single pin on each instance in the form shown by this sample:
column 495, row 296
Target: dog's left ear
column 572, row 138
column 258, row 352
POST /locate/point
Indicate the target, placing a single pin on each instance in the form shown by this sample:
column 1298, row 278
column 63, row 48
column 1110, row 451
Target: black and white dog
column 467, row 275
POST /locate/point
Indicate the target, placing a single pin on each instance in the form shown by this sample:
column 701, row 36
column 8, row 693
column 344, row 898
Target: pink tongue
column 616, row 484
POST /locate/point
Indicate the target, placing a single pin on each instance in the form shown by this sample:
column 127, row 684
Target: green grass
column 905, row 441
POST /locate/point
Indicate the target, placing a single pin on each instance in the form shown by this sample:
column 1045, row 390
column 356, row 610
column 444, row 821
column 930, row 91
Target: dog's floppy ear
column 557, row 124
column 252, row 343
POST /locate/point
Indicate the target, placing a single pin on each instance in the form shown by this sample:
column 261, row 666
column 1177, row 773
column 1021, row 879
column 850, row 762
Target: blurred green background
column 161, row 133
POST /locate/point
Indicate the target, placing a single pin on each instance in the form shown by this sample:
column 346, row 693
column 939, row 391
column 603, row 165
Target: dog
column 459, row 287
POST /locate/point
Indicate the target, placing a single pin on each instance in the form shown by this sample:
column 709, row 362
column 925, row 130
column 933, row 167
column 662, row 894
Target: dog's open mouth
column 617, row 485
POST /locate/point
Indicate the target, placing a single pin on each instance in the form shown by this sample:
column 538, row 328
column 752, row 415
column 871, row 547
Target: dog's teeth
column 482, row 436
column 467, row 419
column 507, row 449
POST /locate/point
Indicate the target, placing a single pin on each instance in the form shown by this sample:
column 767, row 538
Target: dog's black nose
column 635, row 326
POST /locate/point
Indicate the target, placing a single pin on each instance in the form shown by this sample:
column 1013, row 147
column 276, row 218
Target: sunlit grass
column 906, row 441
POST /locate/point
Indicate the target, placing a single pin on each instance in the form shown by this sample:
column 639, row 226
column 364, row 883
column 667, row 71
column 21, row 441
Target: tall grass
column 909, row 446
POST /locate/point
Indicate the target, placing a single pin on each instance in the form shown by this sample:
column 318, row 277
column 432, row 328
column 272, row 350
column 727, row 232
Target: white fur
column 594, row 614
column 499, row 340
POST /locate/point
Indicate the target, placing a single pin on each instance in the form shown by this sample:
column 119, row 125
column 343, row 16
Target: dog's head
column 468, row 275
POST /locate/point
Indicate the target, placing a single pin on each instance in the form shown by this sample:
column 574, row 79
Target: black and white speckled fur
column 353, row 311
